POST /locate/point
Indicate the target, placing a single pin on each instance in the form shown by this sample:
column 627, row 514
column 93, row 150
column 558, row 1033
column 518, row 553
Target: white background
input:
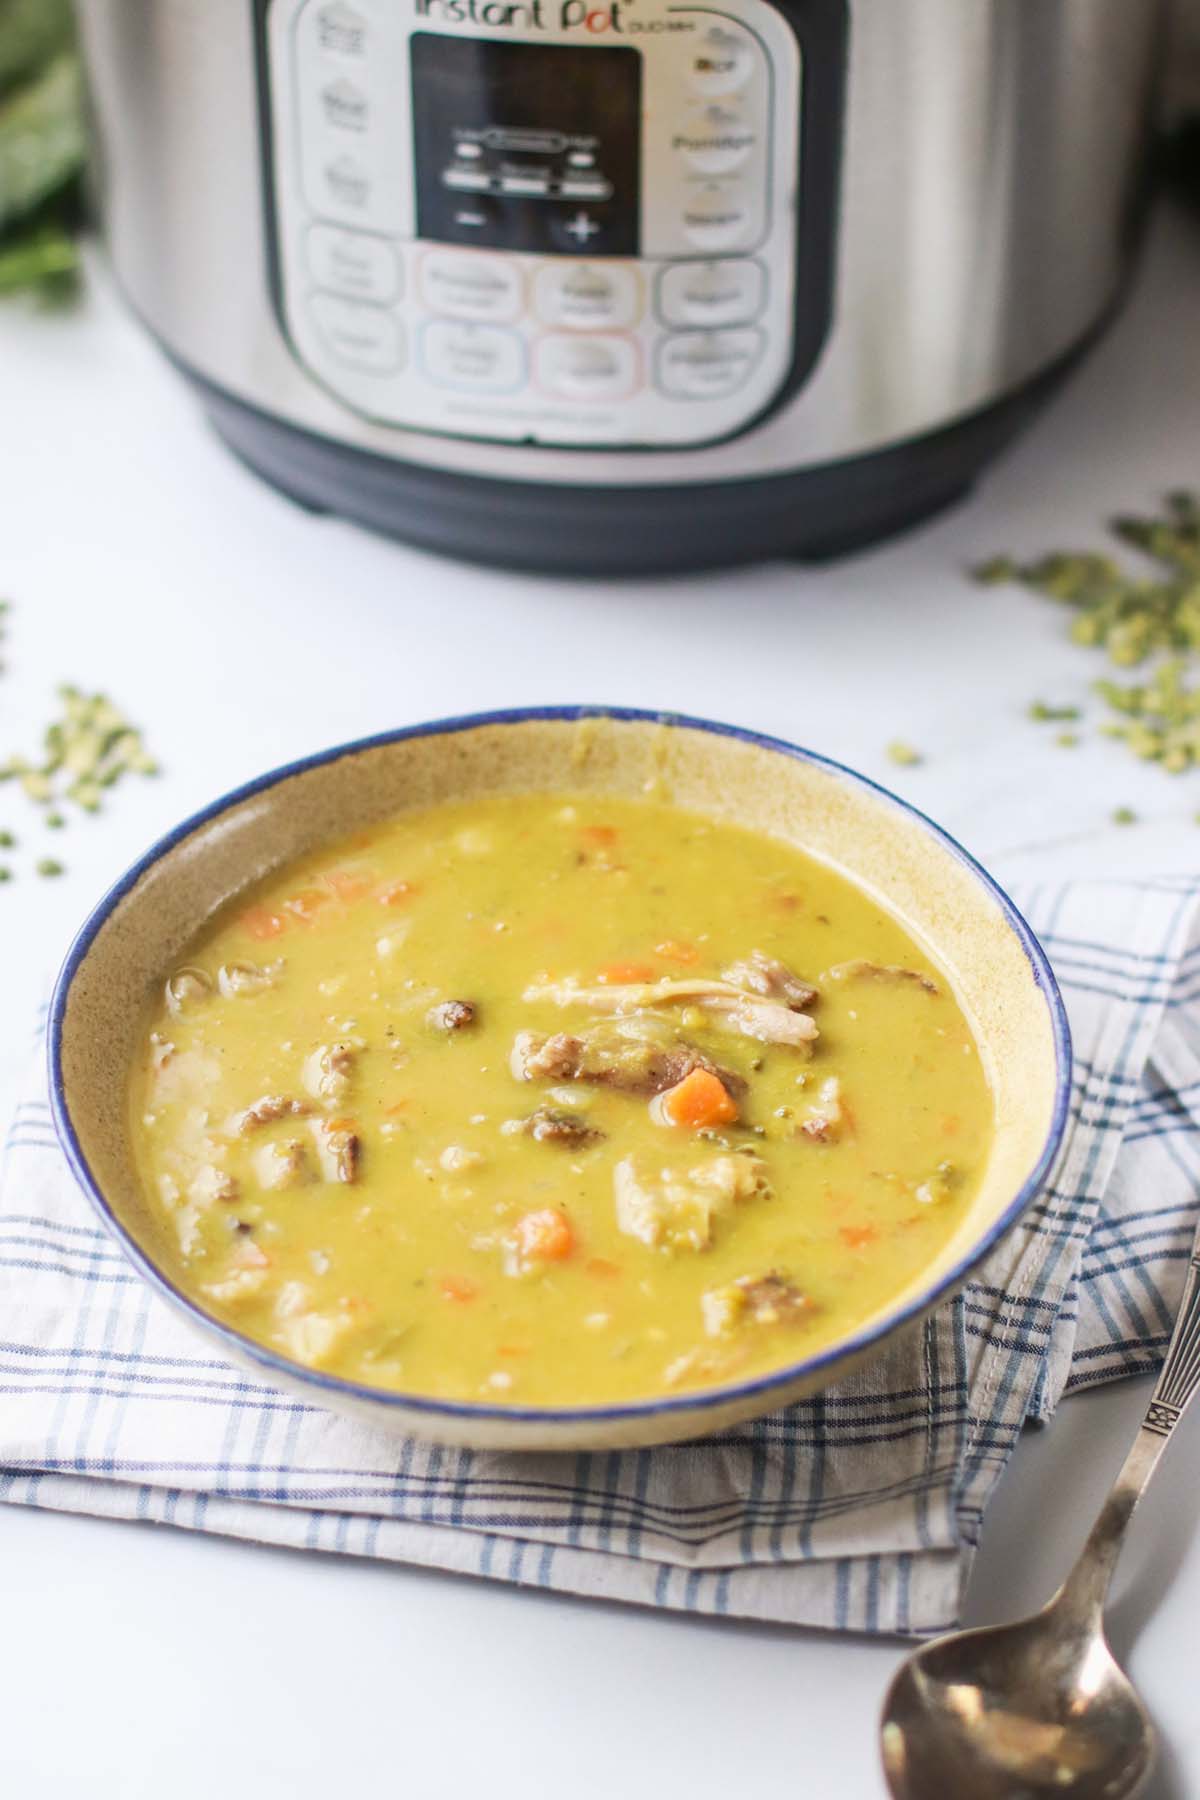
column 139, row 1661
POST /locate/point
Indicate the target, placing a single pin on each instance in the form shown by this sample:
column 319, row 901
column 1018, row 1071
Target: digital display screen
column 523, row 146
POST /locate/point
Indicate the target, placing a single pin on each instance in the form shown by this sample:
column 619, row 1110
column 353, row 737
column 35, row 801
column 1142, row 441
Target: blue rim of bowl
column 700, row 1400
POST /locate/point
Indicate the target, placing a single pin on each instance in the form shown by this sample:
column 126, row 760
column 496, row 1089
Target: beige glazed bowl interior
column 138, row 933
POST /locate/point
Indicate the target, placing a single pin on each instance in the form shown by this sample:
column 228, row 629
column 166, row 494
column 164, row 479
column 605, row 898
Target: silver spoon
column 1015, row 1712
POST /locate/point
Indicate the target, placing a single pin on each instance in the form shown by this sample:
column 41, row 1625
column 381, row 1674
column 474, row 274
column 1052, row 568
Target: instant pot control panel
column 563, row 222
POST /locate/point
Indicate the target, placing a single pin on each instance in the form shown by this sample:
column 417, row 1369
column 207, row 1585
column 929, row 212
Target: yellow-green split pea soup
column 557, row 1100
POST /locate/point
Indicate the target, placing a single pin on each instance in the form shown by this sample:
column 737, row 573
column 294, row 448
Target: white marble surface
column 136, row 1661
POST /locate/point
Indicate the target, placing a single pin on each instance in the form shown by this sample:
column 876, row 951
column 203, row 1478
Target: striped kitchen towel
column 857, row 1510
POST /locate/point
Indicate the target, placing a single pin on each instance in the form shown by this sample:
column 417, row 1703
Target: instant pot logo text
column 537, row 15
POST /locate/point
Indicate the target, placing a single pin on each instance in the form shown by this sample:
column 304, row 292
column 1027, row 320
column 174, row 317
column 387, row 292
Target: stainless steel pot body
column 982, row 205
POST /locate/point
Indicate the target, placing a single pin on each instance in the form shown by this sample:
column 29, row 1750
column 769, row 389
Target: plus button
column 581, row 227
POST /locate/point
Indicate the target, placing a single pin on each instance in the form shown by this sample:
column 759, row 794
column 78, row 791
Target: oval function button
column 363, row 336
column 705, row 365
column 460, row 284
column 591, row 368
column 480, row 358
column 350, row 262
column 716, row 139
column 465, row 179
column 345, row 106
column 341, row 30
column 717, row 216
column 348, row 184
column 722, row 61
column 729, row 292
column 587, row 296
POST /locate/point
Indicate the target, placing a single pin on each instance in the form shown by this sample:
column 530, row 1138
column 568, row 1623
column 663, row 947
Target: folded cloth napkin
column 857, row 1510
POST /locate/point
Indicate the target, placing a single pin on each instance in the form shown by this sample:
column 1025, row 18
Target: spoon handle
column 1084, row 1590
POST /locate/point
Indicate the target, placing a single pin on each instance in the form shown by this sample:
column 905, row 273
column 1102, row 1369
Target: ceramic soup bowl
column 138, row 932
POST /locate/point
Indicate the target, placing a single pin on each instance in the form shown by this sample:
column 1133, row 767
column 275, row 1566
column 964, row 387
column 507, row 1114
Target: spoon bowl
column 1017, row 1712
column 1040, row 1708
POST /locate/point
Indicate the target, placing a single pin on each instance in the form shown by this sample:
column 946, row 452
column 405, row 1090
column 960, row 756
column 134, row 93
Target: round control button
column 717, row 216
column 716, row 139
column 591, row 368
column 729, row 292
column 365, row 337
column 352, row 263
column 481, row 358
column 577, row 228
column 461, row 284
column 706, row 365
column 722, row 61
column 587, row 296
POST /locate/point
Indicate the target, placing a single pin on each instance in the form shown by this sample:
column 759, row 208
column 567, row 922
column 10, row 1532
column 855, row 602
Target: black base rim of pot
column 809, row 514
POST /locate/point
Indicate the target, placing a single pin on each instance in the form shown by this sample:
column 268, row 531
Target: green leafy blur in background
column 41, row 148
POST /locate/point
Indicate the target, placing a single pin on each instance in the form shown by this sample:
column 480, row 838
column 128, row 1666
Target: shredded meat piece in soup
column 770, row 1021
column 451, row 1015
column 861, row 970
column 636, row 1055
column 266, row 1112
column 671, row 1208
column 553, row 1125
column 339, row 1150
column 772, row 979
column 769, row 1299
column 283, row 1165
column 329, row 1070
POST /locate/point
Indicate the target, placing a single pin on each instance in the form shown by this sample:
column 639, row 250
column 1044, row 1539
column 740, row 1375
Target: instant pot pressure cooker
column 614, row 285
